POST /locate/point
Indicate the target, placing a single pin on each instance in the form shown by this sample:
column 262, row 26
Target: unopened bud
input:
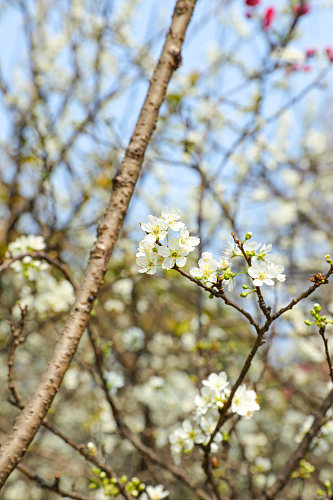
column 248, row 236
column 317, row 307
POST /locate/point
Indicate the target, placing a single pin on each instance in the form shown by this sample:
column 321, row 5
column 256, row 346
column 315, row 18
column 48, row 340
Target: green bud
column 248, row 236
column 243, row 294
column 123, row 479
column 245, row 287
column 317, row 307
column 328, row 259
column 211, row 296
column 308, row 322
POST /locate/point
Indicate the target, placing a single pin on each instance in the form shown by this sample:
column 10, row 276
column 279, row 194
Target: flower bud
column 317, row 307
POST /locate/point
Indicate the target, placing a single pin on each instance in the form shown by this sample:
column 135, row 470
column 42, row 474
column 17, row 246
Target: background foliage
column 243, row 143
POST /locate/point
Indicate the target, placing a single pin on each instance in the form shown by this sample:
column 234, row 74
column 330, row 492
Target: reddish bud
column 307, row 68
column 252, row 3
column 310, row 52
column 301, row 10
column 248, row 15
column 329, row 53
column 268, row 18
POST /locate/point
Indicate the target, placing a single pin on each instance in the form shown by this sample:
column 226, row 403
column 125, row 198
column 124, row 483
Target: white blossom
column 28, row 266
column 173, row 254
column 29, row 243
column 216, row 382
column 188, row 242
column 114, row 381
column 156, row 226
column 133, row 338
column 157, row 492
column 244, row 402
column 207, row 270
column 251, row 247
column 171, row 216
column 147, row 262
column 261, row 273
column 290, row 55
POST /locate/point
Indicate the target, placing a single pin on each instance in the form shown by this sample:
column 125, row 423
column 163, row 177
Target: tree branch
column 284, row 475
column 29, row 421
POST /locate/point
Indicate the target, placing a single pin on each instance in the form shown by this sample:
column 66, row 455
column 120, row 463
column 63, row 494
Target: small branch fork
column 218, row 291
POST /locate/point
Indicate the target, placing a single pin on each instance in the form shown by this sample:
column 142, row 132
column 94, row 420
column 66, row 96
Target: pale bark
column 29, row 421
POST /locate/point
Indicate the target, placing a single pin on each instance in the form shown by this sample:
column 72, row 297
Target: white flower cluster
column 211, row 399
column 152, row 253
column 47, row 295
column 263, row 269
column 28, row 266
column 210, row 269
column 44, row 293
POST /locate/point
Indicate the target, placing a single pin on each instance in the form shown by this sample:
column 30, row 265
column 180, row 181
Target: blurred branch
column 284, row 475
column 54, row 486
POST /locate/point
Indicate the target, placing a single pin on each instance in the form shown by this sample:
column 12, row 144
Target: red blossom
column 301, row 10
column 268, row 17
column 310, row 52
column 252, row 3
column 307, row 68
column 329, row 53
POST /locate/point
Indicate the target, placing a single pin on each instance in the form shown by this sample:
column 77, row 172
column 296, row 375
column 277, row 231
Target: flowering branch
column 126, row 432
column 41, row 256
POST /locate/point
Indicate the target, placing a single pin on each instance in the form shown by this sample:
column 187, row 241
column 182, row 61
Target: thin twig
column 284, row 475
column 54, row 486
column 327, row 353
